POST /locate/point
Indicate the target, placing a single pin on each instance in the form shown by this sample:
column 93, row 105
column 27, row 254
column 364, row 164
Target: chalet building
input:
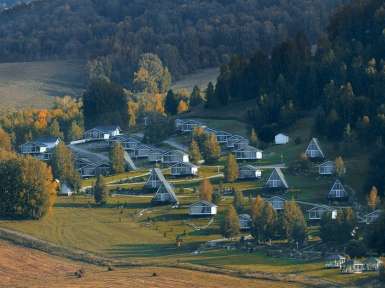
column 222, row 136
column 141, row 151
column 202, row 208
column 278, row 203
column 237, row 142
column 184, row 169
column 127, row 142
column 165, row 194
column 102, row 132
column 187, row 125
column 249, row 172
column 335, row 261
column 155, row 155
column 42, row 148
column 353, row 267
column 371, row 217
column 372, row 264
column 317, row 212
column 276, row 181
column 248, row 153
column 281, row 139
column 338, row 192
column 327, row 168
column 313, row 150
column 94, row 169
column 155, row 179
column 245, row 222
column 175, row 156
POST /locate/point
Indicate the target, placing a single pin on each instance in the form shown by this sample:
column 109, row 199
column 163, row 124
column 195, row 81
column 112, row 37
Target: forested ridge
column 185, row 34
column 341, row 82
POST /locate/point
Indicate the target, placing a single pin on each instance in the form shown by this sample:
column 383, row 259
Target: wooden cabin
column 222, row 136
column 175, row 156
column 156, row 155
column 327, row 168
column 276, row 180
column 278, row 203
column 372, row 217
column 313, row 150
column 245, row 222
column 41, row 148
column 102, row 132
column 248, row 153
column 202, row 208
column 281, row 139
column 372, row 264
column 187, row 125
column 249, row 172
column 141, row 151
column 184, row 169
column 94, row 169
column 337, row 192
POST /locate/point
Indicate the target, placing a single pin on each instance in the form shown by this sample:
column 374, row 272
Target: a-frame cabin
column 337, row 192
column 276, row 180
column 155, row 179
column 165, row 195
column 313, row 150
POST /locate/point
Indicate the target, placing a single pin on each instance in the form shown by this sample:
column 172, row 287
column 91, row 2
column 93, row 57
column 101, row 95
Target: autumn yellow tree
column 231, row 168
column 5, row 141
column 206, row 190
column 182, row 107
column 373, row 198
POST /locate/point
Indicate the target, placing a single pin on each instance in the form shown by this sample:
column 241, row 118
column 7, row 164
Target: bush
column 355, row 248
column 297, row 140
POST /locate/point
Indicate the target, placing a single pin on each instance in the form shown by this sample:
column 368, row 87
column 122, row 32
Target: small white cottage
column 175, row 156
column 281, row 139
column 184, row 169
column 327, row 168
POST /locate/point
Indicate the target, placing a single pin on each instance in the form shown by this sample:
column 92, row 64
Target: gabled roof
column 338, row 186
column 373, row 260
column 276, row 198
column 320, row 207
column 277, row 172
column 335, row 257
column 327, row 163
column 188, row 164
column 169, row 189
column 216, row 132
column 106, row 128
column 314, row 143
column 125, row 138
column 45, row 141
column 237, row 137
column 143, row 146
column 281, row 134
column 248, row 167
column 96, row 165
column 203, row 203
column 248, row 148
column 178, row 152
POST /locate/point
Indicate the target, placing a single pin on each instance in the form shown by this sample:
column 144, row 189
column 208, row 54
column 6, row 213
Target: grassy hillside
column 200, row 79
column 33, row 84
column 19, row 266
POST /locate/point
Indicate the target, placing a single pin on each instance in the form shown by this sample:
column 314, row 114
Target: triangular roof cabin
column 165, row 194
column 327, row 168
column 276, row 180
column 337, row 192
column 314, row 150
column 155, row 179
column 277, row 202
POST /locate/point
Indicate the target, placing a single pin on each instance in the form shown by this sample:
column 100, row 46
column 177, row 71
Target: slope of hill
column 33, row 84
column 187, row 35
column 19, row 266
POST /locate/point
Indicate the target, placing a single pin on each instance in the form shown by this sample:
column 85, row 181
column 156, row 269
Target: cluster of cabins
column 238, row 144
column 353, row 266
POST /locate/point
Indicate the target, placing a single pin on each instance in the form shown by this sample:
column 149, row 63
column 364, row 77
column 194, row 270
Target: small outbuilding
column 249, row 172
column 202, row 208
column 313, row 150
column 281, row 139
column 327, row 168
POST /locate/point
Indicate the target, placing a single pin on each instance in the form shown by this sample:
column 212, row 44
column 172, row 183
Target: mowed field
column 22, row 267
column 34, row 84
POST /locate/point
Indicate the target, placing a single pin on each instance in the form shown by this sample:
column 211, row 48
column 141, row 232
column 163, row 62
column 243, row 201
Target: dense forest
column 185, row 34
column 341, row 82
